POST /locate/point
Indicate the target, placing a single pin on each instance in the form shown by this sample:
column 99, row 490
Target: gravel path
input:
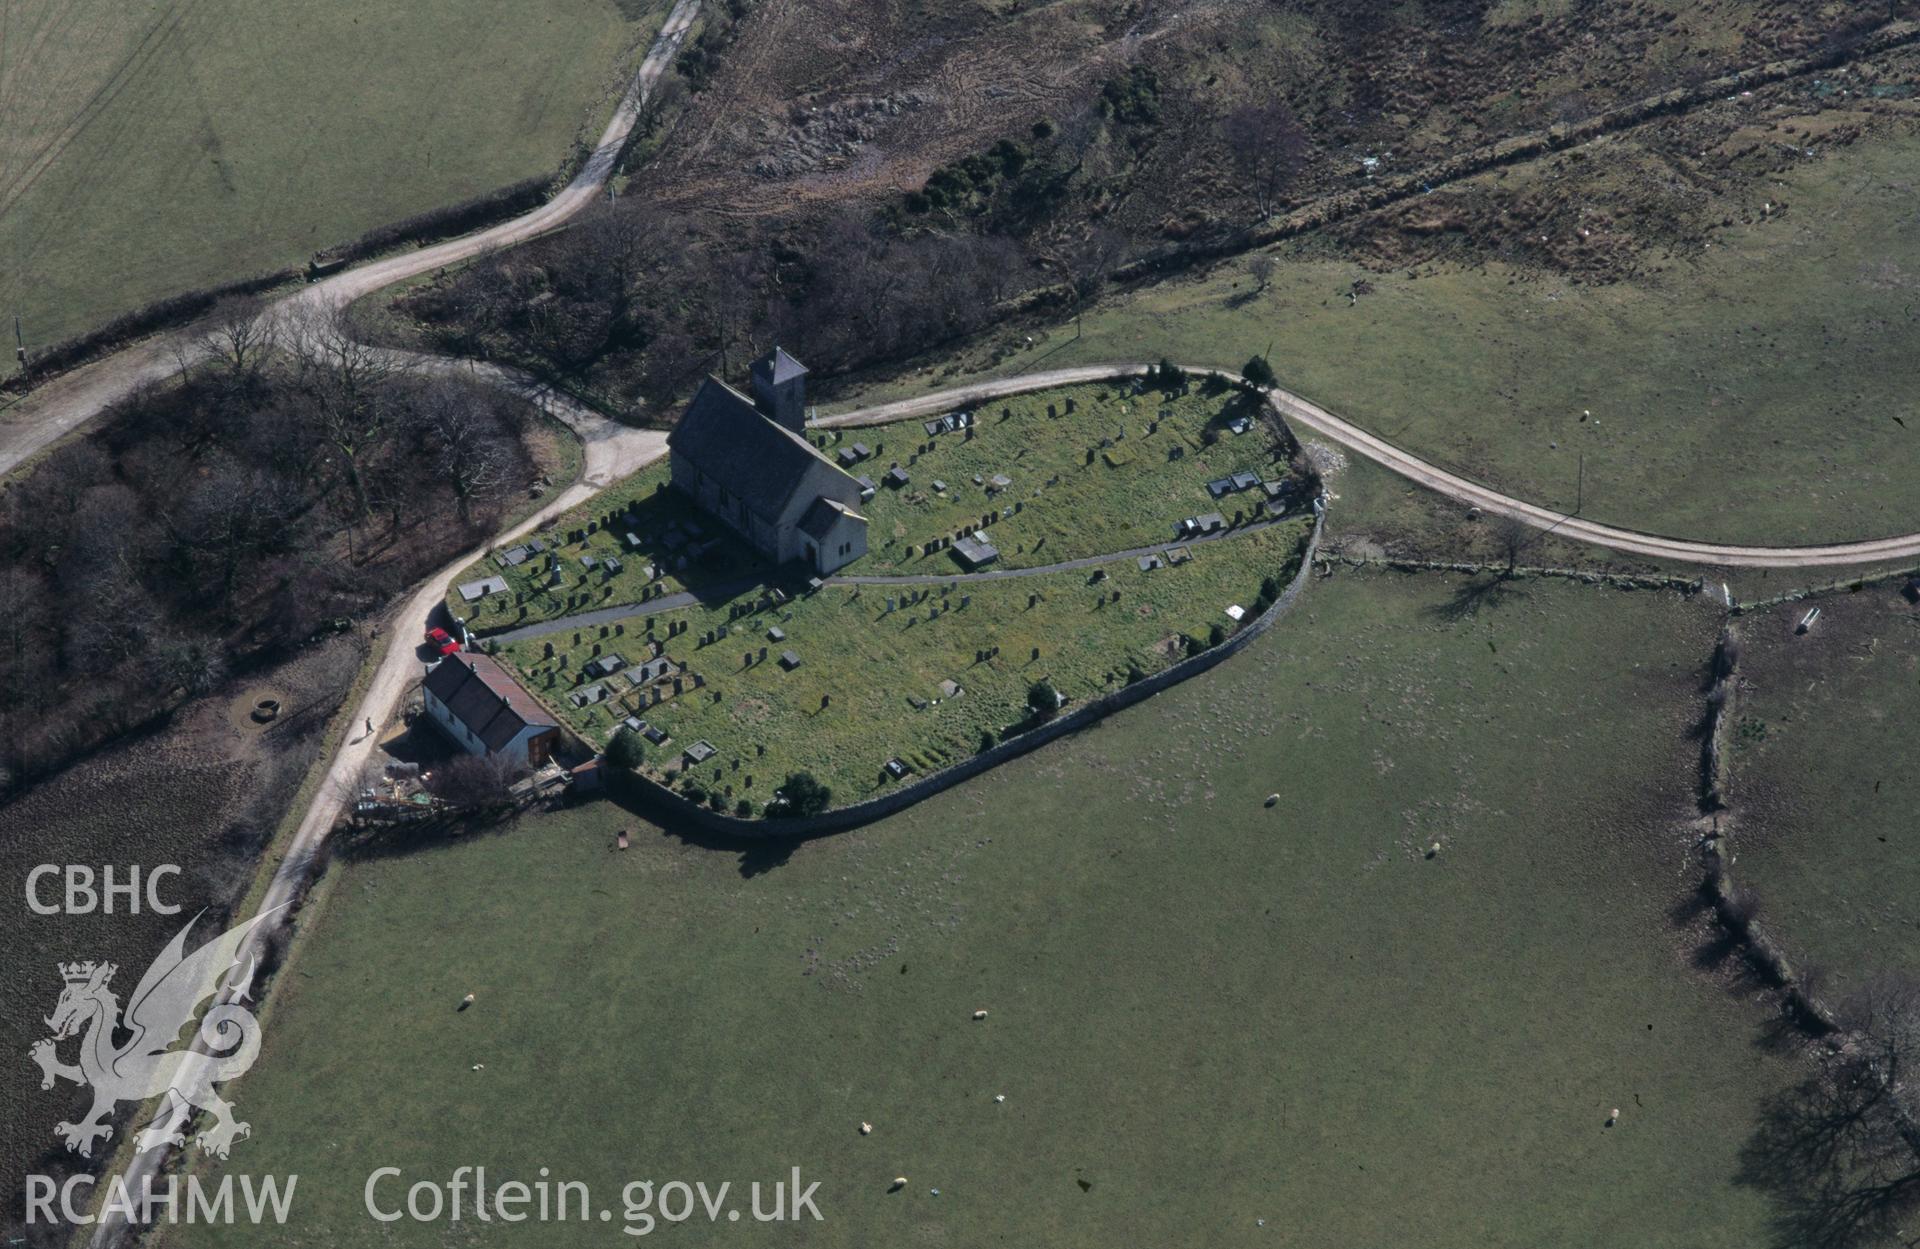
column 612, row 451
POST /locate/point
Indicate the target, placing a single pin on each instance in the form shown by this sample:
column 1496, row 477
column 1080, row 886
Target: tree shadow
column 1476, row 593
column 1831, row 1186
column 757, row 855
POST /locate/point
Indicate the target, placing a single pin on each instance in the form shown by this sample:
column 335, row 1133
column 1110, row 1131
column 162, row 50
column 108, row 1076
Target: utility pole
column 19, row 343
column 1580, row 489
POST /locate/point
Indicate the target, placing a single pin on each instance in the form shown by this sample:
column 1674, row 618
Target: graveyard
column 1085, row 536
column 869, row 685
column 1035, row 480
column 1063, row 474
column 636, row 541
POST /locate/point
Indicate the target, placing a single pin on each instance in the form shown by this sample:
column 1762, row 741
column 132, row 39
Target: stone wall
column 673, row 807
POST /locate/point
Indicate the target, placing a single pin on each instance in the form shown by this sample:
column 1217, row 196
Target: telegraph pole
column 19, row 343
column 1580, row 489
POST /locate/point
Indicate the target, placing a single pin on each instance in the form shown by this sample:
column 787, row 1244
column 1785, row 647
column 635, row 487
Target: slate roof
column 974, row 550
column 754, row 459
column 778, row 366
column 818, row 521
column 480, row 695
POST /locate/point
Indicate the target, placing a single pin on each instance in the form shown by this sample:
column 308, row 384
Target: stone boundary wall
column 1849, row 586
column 1586, row 576
column 664, row 802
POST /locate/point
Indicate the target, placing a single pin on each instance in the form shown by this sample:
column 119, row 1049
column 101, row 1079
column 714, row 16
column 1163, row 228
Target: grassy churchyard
column 878, row 665
column 1088, row 470
column 1213, row 1022
column 1055, row 476
column 674, row 547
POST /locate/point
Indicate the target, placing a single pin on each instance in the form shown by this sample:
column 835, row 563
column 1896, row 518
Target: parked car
column 442, row 641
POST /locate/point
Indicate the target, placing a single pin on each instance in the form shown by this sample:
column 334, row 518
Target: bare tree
column 1260, row 269
column 666, row 97
column 463, row 429
column 1841, row 1151
column 1268, row 148
column 1088, row 264
column 238, row 338
column 1512, row 536
column 474, row 782
column 348, row 382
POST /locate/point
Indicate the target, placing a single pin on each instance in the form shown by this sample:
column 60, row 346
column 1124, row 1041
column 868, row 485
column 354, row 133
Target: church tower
column 780, row 390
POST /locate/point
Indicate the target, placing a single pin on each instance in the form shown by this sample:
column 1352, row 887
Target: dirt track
column 612, row 451
column 1302, row 414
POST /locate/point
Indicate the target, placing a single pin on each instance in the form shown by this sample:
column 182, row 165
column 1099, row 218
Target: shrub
column 1259, row 373
column 800, row 795
column 1133, row 100
column 1042, row 699
column 986, row 740
column 626, row 750
column 1217, row 634
column 744, row 808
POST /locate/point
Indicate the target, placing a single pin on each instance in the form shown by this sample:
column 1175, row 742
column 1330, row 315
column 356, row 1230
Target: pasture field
column 1744, row 391
column 1212, row 1021
column 156, row 148
column 1824, row 785
column 868, row 688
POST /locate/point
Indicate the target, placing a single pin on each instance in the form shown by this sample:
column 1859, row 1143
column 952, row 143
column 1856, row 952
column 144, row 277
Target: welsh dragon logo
column 148, row 1064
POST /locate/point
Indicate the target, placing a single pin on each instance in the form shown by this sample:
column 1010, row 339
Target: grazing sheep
column 979, row 1014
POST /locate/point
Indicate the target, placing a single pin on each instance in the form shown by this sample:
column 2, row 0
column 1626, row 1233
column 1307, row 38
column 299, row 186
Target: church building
column 749, row 464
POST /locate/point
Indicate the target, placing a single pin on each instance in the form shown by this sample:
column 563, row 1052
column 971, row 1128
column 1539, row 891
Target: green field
column 1824, row 785
column 1745, row 394
column 1205, row 1013
column 850, row 705
column 155, row 148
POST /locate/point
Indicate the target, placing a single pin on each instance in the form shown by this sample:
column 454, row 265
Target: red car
column 442, row 641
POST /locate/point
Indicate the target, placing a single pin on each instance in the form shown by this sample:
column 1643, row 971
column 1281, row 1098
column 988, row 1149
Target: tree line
column 292, row 477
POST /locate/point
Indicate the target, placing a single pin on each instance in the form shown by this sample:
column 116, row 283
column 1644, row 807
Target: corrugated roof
column 754, row 459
